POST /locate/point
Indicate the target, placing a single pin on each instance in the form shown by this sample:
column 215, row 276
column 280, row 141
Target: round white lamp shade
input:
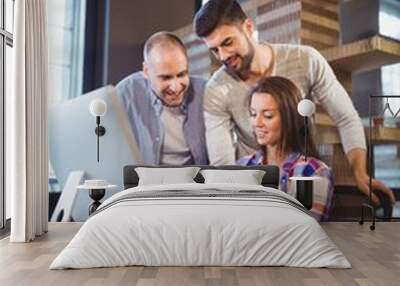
column 98, row 107
column 306, row 107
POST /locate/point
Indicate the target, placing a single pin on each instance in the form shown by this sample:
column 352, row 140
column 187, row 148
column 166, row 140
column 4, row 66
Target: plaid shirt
column 295, row 165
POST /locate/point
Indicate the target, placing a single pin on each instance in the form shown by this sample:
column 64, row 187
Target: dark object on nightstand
column 96, row 195
column 304, row 193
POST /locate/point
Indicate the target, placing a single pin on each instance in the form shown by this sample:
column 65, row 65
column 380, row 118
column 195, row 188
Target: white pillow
column 163, row 176
column 248, row 177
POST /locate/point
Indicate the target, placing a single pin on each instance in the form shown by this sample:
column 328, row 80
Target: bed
column 201, row 224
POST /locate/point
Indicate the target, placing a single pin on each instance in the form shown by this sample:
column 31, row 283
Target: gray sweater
column 229, row 134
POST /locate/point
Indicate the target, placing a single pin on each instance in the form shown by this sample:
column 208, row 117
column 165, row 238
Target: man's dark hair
column 216, row 13
column 162, row 38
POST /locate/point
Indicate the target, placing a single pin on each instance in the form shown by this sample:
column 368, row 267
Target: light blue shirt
column 144, row 109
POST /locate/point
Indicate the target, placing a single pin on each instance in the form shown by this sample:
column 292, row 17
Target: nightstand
column 96, row 193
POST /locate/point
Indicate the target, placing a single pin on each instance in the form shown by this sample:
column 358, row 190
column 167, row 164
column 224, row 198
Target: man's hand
column 358, row 162
column 362, row 181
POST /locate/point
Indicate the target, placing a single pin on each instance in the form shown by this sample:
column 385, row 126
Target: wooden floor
column 374, row 255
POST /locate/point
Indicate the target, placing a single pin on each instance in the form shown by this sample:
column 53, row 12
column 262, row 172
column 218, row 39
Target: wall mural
column 199, row 101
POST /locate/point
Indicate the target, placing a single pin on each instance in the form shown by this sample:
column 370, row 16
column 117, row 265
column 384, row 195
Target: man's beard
column 246, row 60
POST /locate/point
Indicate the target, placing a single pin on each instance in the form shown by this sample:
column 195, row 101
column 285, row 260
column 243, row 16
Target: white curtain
column 26, row 119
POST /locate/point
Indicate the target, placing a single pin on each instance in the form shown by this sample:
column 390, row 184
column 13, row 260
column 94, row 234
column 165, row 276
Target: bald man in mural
column 165, row 105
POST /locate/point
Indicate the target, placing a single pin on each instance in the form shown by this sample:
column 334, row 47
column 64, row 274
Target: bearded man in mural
column 228, row 31
column 165, row 105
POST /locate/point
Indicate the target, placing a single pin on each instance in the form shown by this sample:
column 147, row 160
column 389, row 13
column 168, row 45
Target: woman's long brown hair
column 287, row 96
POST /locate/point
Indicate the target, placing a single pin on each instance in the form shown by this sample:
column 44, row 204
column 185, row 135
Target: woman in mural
column 277, row 127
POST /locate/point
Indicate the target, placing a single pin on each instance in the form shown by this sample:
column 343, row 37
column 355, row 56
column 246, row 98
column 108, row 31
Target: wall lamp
column 98, row 108
column 304, row 185
column 306, row 108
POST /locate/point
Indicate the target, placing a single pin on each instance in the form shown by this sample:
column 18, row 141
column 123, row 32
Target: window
column 66, row 49
column 389, row 19
column 66, row 27
column 6, row 65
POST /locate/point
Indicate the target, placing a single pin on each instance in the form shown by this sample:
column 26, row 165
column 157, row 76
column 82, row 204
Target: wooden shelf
column 363, row 55
column 385, row 135
column 328, row 133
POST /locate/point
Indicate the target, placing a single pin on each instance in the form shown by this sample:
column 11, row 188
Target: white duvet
column 207, row 230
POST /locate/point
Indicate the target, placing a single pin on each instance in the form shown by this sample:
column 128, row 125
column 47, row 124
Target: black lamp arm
column 305, row 137
column 100, row 131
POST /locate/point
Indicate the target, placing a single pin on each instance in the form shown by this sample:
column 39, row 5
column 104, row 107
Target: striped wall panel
column 319, row 24
column 278, row 21
column 200, row 61
column 309, row 22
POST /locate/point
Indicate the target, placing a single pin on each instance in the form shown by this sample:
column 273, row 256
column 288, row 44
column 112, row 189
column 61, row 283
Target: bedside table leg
column 304, row 193
column 93, row 207
column 96, row 195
